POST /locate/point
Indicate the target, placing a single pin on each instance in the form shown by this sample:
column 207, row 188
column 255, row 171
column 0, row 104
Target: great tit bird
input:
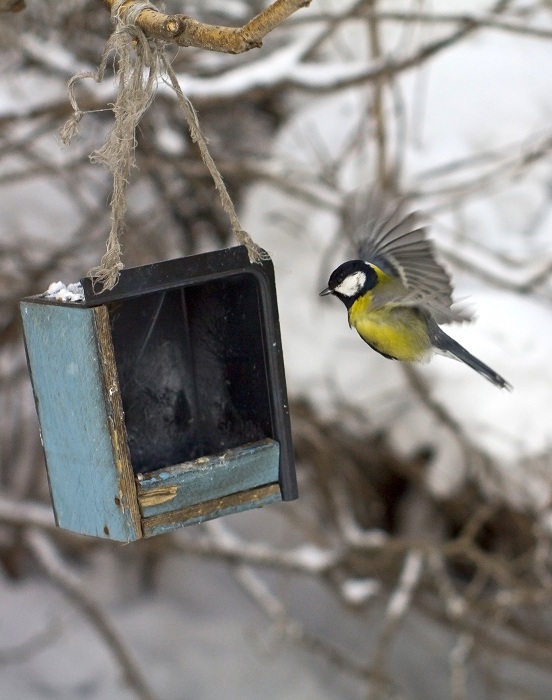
column 395, row 291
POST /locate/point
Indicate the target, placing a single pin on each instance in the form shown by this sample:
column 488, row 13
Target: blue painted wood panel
column 207, row 478
column 255, row 498
column 78, row 405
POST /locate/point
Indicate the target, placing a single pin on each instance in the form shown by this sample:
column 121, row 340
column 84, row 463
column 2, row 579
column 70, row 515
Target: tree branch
column 26, row 514
column 49, row 558
column 484, row 21
column 185, row 31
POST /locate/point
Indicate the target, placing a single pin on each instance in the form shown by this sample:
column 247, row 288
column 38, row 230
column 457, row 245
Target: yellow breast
column 398, row 332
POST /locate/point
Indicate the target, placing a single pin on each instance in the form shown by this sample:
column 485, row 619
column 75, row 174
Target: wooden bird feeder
column 163, row 401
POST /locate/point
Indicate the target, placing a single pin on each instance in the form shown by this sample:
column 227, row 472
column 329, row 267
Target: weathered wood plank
column 75, row 385
column 207, row 478
column 128, row 501
column 237, row 502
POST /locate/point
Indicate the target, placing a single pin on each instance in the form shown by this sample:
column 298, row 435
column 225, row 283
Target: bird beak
column 325, row 292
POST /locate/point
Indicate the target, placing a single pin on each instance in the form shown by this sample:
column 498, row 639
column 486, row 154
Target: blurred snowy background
column 417, row 562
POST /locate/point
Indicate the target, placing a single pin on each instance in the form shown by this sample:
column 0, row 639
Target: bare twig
column 484, row 21
column 458, row 661
column 49, row 558
column 185, row 31
column 292, row 629
column 26, row 514
column 310, row 559
column 421, row 390
column 378, row 111
column 397, row 607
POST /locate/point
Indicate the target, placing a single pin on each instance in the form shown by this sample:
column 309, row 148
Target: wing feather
column 385, row 235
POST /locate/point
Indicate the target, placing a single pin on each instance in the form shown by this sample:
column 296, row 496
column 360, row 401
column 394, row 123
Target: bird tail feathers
column 445, row 345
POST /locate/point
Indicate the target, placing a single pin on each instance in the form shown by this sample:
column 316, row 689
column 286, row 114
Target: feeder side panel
column 235, row 503
column 126, row 500
column 208, row 478
column 277, row 379
column 77, row 399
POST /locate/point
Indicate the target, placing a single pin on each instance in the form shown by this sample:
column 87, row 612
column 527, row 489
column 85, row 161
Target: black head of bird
column 350, row 280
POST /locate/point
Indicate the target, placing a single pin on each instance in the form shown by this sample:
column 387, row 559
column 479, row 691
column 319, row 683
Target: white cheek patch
column 352, row 284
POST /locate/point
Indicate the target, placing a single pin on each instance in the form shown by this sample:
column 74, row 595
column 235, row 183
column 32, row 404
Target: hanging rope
column 141, row 61
column 254, row 251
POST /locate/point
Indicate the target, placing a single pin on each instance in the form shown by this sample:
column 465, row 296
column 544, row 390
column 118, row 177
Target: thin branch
column 458, row 659
column 185, row 31
column 422, row 392
column 63, row 576
column 291, row 628
column 397, row 608
column 378, row 110
column 487, row 21
column 286, row 68
column 26, row 514
column 310, row 560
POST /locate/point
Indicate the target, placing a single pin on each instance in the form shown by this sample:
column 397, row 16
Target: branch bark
column 12, row 5
column 185, row 31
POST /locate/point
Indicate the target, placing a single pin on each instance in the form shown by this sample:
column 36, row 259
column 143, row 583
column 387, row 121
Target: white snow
column 27, row 92
column 359, row 590
column 58, row 291
column 312, row 558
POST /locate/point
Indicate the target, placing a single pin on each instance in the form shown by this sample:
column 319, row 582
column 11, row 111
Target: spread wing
column 396, row 241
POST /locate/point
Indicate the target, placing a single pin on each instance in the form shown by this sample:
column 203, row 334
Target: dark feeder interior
column 198, row 356
column 173, row 347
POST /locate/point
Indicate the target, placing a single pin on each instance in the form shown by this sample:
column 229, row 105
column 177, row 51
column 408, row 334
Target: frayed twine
column 255, row 253
column 140, row 61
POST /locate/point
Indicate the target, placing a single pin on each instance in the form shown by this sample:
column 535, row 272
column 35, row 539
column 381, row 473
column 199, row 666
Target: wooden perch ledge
column 185, row 31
